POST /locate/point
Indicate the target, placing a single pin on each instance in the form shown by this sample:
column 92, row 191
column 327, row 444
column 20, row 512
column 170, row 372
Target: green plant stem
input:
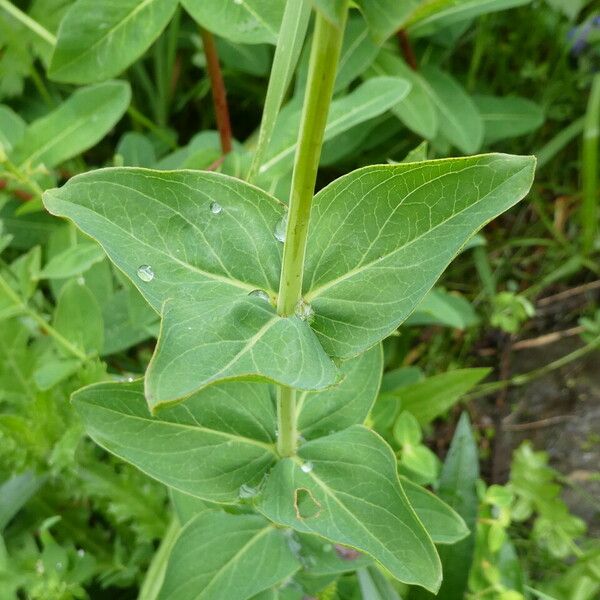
column 143, row 120
column 525, row 378
column 591, row 137
column 292, row 33
column 156, row 571
column 60, row 339
column 287, row 434
column 26, row 20
column 325, row 52
column 219, row 93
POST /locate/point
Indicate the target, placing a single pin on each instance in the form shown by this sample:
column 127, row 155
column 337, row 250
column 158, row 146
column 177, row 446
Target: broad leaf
column 508, row 117
column 349, row 403
column 76, row 125
column 219, row 556
column 460, row 123
column 375, row 586
column 323, row 558
column 443, row 524
column 435, row 395
column 344, row 488
column 381, row 236
column 215, row 247
column 367, row 101
column 98, row 39
column 209, row 447
column 457, row 488
column 201, row 234
column 242, row 21
column 432, row 14
column 206, row 342
column 417, row 111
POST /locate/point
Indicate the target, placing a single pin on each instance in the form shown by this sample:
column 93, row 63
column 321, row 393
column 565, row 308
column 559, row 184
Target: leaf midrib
column 195, row 428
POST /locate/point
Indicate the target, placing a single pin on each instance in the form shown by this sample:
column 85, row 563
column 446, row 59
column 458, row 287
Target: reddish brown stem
column 20, row 194
column 407, row 50
column 219, row 93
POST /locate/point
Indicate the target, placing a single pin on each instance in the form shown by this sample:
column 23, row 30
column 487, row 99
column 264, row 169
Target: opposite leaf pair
column 379, row 238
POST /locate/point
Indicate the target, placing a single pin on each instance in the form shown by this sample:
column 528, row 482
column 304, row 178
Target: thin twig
column 219, row 93
column 407, row 50
column 549, row 421
column 580, row 289
column 548, row 338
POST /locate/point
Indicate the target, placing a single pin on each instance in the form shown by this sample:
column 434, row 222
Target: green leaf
column 417, row 111
column 12, row 128
column 441, row 308
column 209, row 447
column 15, row 493
column 76, row 125
column 381, row 236
column 344, row 488
column 217, row 247
column 72, row 261
column 457, row 488
column 204, row 342
column 374, row 585
column 358, row 52
column 322, row 413
column 329, row 559
column 294, row 25
column 444, row 525
column 243, row 22
column 460, row 123
column 199, row 253
column 98, row 39
column 435, row 395
column 78, row 317
column 508, row 117
column 385, row 17
column 136, row 150
column 367, row 101
column 240, row 556
column 434, row 14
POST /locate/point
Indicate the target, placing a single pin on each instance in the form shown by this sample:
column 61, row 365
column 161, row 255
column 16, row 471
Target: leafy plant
column 248, row 288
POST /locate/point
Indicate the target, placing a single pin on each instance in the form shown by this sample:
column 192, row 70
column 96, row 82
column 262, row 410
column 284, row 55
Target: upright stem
column 219, row 93
column 591, row 139
column 324, row 57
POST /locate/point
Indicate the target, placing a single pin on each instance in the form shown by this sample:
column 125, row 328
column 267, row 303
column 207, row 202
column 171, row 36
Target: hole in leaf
column 305, row 504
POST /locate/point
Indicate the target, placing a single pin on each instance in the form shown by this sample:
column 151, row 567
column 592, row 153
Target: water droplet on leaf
column 307, row 467
column 280, row 229
column 304, row 310
column 259, row 294
column 145, row 273
column 216, row 208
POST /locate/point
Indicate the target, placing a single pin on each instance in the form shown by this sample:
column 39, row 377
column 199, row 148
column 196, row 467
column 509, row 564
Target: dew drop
column 307, row 467
column 304, row 310
column 280, row 229
column 247, row 491
column 259, row 294
column 81, row 552
column 237, row 1
column 215, row 208
column 327, row 547
column 145, row 273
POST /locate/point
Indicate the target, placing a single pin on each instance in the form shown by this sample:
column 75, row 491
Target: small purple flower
column 579, row 36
